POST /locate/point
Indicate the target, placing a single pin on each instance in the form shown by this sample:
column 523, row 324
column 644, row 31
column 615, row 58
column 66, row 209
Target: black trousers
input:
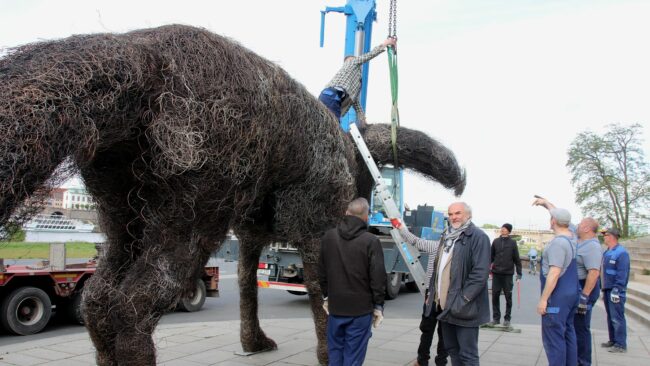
column 501, row 282
column 428, row 327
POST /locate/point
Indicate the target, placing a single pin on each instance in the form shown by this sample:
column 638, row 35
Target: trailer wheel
column 194, row 300
column 412, row 286
column 26, row 310
column 393, row 284
column 74, row 309
column 297, row 293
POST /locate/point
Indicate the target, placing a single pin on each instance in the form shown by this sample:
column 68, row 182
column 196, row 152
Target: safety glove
column 614, row 296
column 377, row 315
column 326, row 306
column 582, row 304
column 396, row 223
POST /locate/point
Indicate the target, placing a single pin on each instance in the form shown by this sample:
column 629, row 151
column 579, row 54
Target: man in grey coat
column 459, row 284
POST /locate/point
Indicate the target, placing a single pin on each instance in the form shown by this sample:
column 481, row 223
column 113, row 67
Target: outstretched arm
column 429, row 246
column 541, row 201
column 376, row 51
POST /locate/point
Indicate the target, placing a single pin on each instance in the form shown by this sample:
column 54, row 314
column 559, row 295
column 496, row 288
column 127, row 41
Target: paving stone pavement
column 393, row 343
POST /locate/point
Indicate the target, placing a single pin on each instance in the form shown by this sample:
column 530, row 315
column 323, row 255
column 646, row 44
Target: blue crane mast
column 387, row 201
column 360, row 15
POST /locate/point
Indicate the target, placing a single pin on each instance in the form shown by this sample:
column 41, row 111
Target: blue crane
column 387, row 202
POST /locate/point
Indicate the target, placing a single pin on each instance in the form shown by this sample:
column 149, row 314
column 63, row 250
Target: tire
column 412, row 287
column 26, row 310
column 194, row 300
column 393, row 284
column 297, row 293
column 74, row 310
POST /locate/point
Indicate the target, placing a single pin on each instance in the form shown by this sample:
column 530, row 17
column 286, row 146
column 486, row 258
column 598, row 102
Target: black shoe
column 617, row 349
column 493, row 323
column 506, row 323
column 607, row 344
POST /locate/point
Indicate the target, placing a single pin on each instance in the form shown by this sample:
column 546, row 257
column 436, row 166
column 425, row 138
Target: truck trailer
column 31, row 293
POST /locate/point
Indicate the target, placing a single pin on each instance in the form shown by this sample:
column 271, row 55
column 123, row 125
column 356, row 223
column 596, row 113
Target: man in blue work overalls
column 589, row 257
column 560, row 292
column 614, row 275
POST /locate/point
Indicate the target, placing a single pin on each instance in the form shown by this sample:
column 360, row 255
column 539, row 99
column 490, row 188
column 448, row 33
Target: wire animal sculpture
column 180, row 135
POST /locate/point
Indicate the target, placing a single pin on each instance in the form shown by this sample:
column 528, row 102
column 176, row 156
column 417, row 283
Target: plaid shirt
column 349, row 78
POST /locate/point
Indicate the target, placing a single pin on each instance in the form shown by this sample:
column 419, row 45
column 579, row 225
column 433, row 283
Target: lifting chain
column 392, row 19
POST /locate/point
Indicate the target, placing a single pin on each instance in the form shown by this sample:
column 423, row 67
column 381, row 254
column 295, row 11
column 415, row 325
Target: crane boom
column 360, row 15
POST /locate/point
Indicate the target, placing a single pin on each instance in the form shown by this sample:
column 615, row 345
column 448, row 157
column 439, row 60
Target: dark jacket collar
column 469, row 230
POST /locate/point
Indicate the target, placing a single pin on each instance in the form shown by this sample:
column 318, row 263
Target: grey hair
column 358, row 207
column 466, row 208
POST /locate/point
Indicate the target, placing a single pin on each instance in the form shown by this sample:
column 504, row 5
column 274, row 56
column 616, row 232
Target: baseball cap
column 613, row 231
column 561, row 215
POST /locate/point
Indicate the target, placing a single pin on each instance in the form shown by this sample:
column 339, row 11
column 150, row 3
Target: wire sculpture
column 180, row 135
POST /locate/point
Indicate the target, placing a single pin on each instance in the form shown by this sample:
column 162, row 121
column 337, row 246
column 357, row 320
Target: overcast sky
column 505, row 84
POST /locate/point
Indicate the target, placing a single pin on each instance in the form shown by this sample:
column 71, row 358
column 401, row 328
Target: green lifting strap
column 394, row 113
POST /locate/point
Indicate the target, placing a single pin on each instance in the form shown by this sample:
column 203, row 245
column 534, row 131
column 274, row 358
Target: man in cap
column 615, row 274
column 588, row 261
column 505, row 258
column 559, row 300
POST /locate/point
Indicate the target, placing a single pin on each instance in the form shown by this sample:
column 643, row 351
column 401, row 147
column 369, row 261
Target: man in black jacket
column 353, row 282
column 459, row 285
column 505, row 257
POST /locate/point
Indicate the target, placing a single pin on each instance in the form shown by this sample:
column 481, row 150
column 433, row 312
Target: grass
column 22, row 250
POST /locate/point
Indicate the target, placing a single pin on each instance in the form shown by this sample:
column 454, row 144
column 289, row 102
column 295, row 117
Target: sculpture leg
column 252, row 336
column 310, row 263
column 153, row 286
column 101, row 292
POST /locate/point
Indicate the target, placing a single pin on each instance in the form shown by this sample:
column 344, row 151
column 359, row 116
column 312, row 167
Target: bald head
column 359, row 208
column 588, row 228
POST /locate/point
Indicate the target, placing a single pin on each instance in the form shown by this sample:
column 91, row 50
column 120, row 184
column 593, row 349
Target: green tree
column 610, row 175
column 490, row 226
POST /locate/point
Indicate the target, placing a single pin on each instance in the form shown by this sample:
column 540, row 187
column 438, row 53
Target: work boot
column 617, row 349
column 493, row 323
column 506, row 323
column 607, row 344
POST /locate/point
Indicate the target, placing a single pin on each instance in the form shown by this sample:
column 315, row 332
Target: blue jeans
column 347, row 339
column 461, row 343
column 616, row 324
column 332, row 100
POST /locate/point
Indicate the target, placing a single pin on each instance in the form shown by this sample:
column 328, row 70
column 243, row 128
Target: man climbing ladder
column 342, row 92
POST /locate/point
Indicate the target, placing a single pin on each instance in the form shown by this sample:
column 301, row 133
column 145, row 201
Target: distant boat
column 58, row 223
